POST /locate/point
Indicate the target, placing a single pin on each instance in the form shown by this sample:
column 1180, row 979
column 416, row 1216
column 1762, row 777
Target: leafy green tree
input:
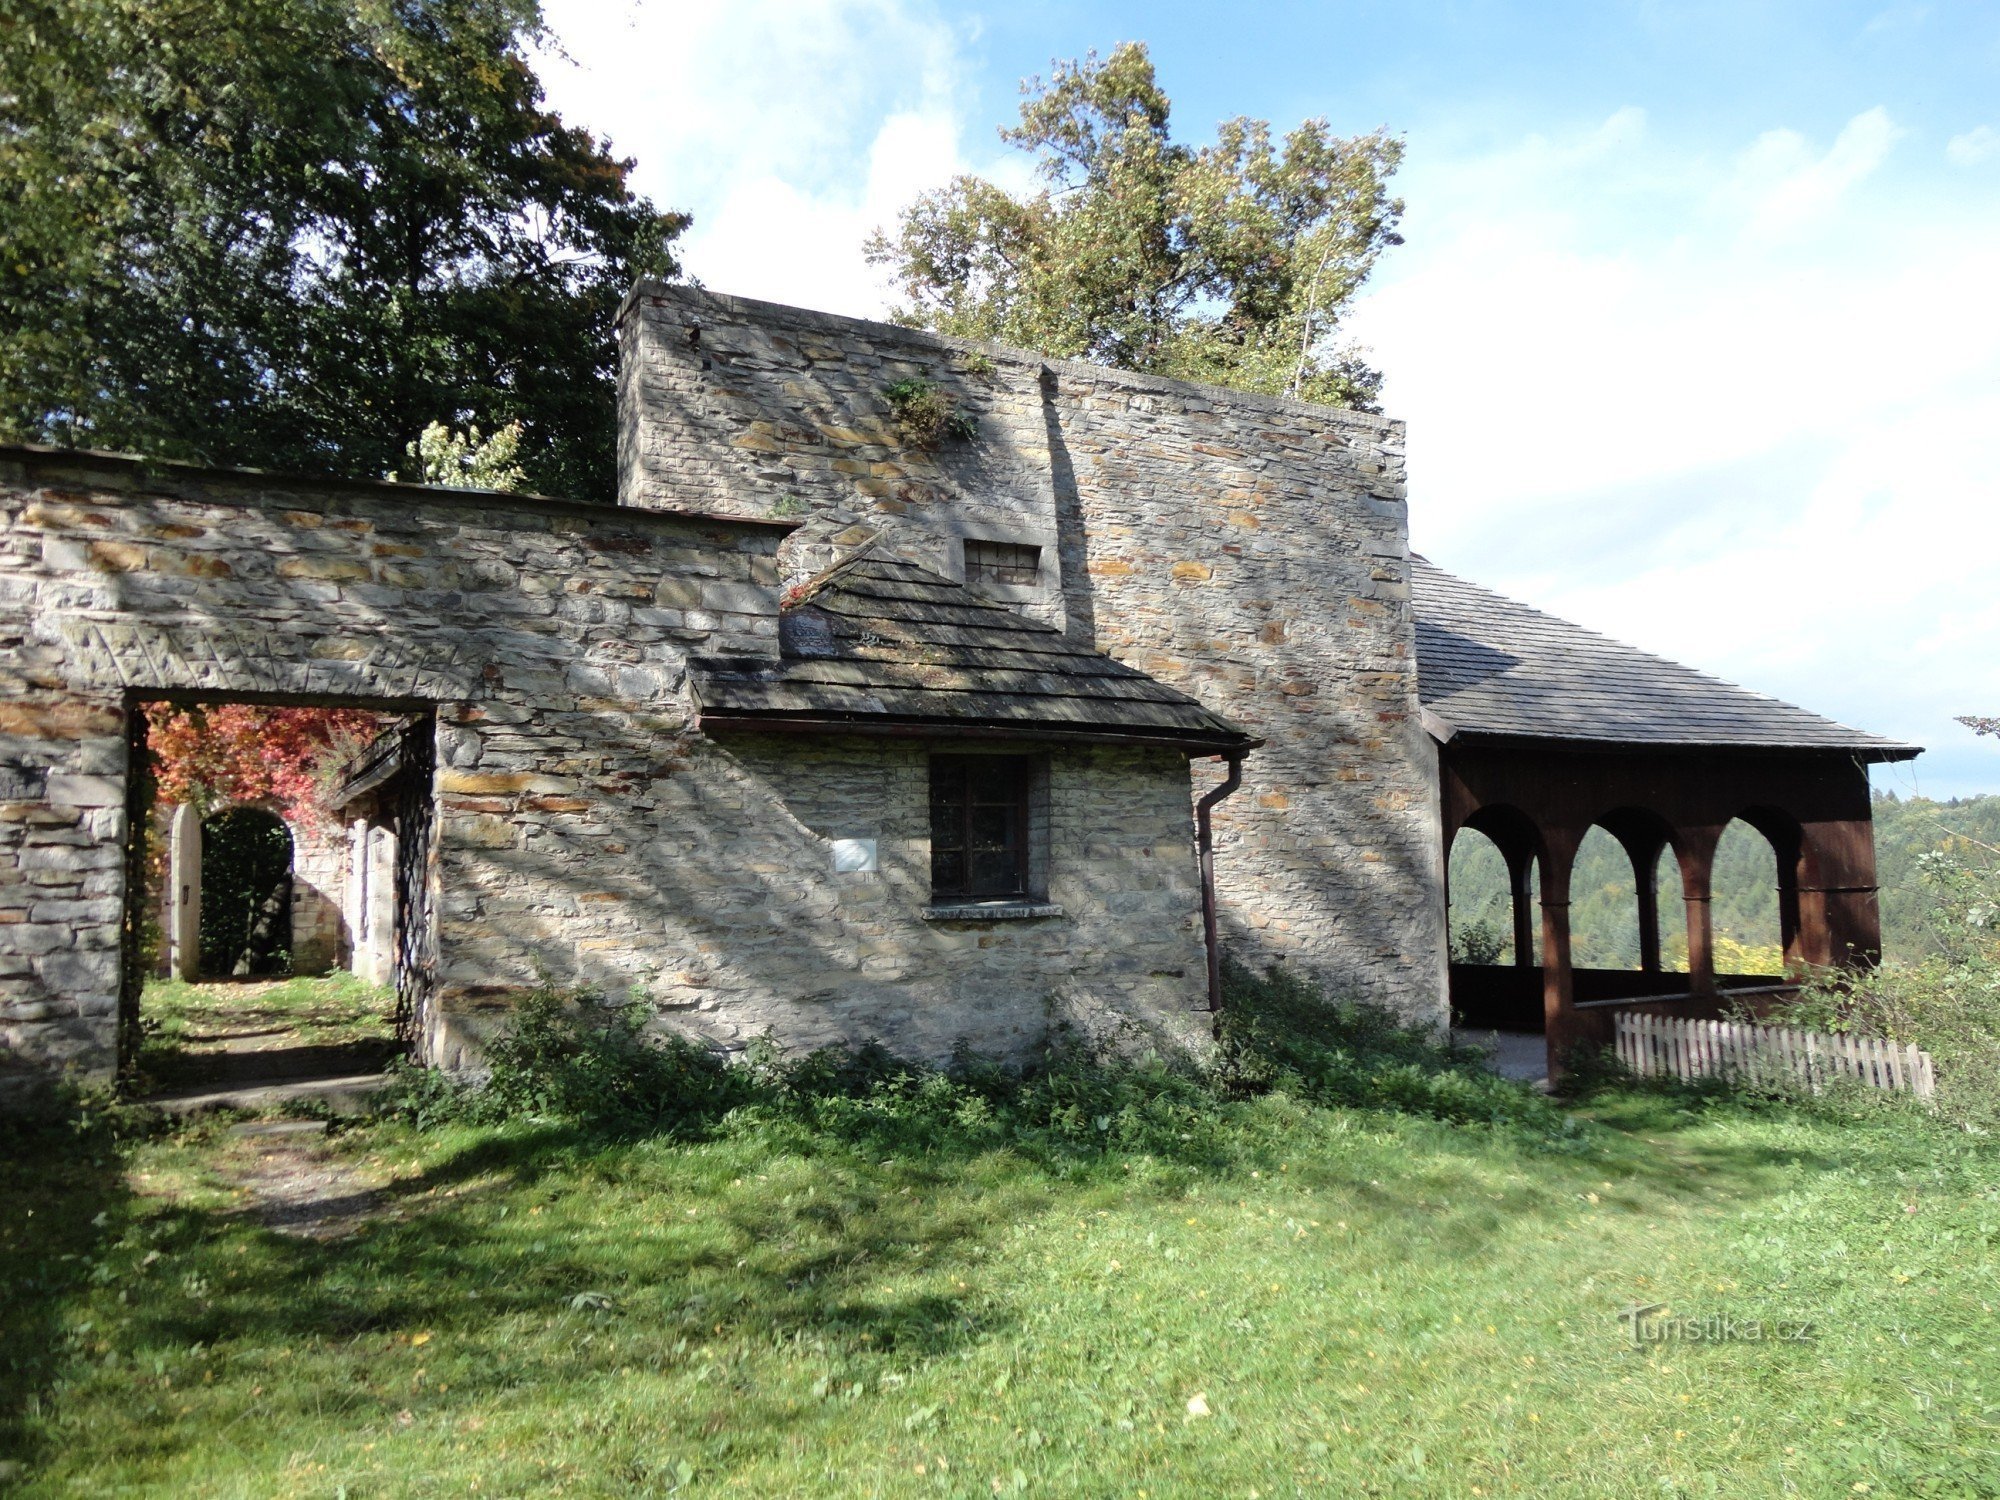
column 292, row 233
column 1231, row 262
column 465, row 460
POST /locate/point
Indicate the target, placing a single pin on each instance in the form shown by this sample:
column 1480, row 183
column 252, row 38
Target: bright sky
column 1697, row 329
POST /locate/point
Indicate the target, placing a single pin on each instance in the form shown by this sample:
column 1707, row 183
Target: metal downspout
column 1205, row 840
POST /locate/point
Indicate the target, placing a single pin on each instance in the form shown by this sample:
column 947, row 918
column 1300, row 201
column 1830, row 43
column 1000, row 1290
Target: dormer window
column 1007, row 564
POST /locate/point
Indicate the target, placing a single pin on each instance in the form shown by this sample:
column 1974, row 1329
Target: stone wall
column 368, row 901
column 320, row 857
column 739, row 924
column 1250, row 550
column 584, row 833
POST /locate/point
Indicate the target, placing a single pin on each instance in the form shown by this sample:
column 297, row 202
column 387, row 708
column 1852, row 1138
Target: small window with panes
column 1006, row 564
column 981, row 825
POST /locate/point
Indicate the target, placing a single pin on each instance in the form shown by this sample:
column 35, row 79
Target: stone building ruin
column 834, row 731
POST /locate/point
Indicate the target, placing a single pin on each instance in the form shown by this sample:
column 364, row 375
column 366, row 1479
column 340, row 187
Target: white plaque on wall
column 854, row 857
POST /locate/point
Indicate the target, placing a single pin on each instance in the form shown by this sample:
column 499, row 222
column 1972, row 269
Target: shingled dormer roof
column 881, row 645
column 1490, row 667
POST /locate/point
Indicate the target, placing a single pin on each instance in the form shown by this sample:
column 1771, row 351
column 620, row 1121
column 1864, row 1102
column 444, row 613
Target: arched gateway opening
column 273, row 901
column 243, row 929
column 1482, row 902
column 1493, row 884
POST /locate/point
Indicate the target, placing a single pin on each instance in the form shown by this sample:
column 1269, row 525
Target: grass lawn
column 190, row 1028
column 1304, row 1299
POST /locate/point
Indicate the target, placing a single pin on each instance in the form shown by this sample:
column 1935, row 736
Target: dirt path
column 297, row 1183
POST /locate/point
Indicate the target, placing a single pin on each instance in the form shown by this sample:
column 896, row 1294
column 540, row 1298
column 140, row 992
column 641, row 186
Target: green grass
column 186, row 1027
column 1335, row 1263
column 852, row 1300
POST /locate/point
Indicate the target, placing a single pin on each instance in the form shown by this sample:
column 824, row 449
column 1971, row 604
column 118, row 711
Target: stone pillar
column 354, row 896
column 319, row 868
column 379, row 920
column 184, row 894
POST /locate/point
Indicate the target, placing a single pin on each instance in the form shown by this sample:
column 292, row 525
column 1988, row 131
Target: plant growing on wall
column 928, row 413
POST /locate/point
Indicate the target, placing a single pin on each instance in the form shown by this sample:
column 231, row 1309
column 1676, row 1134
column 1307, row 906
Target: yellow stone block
column 116, row 557
column 481, row 831
column 332, row 569
column 485, row 783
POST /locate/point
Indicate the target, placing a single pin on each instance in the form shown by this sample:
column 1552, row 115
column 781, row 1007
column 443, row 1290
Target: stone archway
column 244, row 929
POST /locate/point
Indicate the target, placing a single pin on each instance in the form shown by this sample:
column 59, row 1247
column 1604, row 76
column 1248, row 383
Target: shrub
column 1948, row 1004
column 928, row 413
column 566, row 1056
column 1280, row 1033
column 1479, row 941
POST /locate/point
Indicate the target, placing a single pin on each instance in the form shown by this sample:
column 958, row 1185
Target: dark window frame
column 1002, row 564
column 961, row 787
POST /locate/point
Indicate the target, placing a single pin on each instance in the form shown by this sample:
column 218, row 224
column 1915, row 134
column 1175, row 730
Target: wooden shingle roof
column 882, row 645
column 1491, row 667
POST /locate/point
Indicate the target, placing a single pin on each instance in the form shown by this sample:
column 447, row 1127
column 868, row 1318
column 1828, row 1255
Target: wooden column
column 1563, row 1025
column 1838, row 916
column 1697, row 870
column 1645, row 869
column 1520, row 865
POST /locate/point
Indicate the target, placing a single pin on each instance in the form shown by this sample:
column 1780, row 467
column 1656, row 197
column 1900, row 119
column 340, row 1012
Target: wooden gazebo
column 1545, row 729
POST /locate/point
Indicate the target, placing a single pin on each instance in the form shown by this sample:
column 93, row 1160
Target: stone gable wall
column 1251, row 550
column 584, row 832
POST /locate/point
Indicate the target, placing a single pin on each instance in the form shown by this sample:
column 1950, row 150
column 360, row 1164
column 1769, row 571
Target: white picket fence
column 1758, row 1056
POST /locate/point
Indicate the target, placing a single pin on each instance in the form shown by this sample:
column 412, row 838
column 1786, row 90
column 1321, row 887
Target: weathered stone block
column 476, row 783
column 482, row 831
column 85, row 791
column 329, row 569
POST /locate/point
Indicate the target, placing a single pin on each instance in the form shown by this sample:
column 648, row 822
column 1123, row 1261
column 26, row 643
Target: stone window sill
column 990, row 911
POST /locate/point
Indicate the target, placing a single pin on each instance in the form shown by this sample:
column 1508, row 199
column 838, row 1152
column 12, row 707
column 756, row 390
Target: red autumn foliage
column 218, row 754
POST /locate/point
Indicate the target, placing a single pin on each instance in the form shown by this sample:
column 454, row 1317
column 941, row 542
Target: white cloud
column 1977, row 145
column 770, row 238
column 1770, row 454
column 1791, row 188
column 790, row 127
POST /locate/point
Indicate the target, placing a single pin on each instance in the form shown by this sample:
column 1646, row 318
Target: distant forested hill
column 1903, row 832
column 1603, row 915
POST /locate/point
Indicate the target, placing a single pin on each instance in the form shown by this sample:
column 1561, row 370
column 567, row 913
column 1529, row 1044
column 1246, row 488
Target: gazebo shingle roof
column 883, row 645
column 1491, row 667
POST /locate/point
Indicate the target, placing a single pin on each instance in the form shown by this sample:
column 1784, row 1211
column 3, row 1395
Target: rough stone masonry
column 1249, row 551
